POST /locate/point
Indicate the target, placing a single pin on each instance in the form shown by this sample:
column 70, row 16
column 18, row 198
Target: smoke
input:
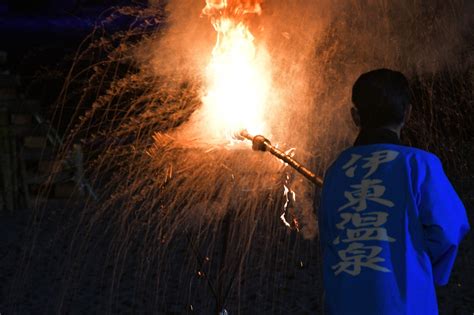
column 317, row 49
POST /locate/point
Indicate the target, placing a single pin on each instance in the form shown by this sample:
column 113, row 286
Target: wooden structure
column 29, row 168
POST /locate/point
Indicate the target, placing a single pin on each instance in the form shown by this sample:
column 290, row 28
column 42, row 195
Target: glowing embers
column 238, row 76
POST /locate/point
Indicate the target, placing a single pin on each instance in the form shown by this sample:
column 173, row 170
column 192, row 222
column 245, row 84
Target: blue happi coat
column 390, row 225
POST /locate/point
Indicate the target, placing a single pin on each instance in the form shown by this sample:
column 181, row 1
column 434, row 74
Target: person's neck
column 395, row 129
column 383, row 134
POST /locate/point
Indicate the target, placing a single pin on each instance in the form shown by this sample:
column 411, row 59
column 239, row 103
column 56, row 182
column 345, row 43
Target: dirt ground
column 48, row 279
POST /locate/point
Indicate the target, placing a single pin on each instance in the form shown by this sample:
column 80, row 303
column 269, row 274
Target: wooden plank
column 38, row 154
column 21, row 131
column 15, row 105
column 21, row 119
column 38, row 179
column 8, row 93
column 35, row 142
column 9, row 81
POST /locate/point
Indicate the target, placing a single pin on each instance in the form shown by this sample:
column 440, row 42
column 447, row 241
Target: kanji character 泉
column 356, row 256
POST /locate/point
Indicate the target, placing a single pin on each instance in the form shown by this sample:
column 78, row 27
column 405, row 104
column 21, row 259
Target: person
column 390, row 221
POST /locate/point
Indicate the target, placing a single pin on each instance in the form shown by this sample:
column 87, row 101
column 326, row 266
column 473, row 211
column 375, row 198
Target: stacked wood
column 29, row 167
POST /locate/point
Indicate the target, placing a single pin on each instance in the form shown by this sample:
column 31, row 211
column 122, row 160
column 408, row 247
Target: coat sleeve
column 324, row 206
column 320, row 204
column 443, row 218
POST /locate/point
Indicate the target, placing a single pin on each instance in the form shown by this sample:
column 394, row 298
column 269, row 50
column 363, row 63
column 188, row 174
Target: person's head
column 381, row 99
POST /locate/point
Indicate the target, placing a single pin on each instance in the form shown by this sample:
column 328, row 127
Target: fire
column 232, row 7
column 237, row 76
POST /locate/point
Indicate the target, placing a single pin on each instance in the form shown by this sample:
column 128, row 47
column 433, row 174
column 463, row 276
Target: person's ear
column 355, row 116
column 407, row 113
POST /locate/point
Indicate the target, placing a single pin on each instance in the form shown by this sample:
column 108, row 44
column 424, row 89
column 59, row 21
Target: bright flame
column 238, row 76
column 232, row 7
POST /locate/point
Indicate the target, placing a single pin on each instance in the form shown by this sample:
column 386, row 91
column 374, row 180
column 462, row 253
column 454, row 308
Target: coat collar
column 375, row 136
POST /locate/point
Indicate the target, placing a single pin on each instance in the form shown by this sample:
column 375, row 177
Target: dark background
column 39, row 36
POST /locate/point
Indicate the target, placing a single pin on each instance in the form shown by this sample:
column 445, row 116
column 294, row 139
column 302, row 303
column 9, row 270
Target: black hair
column 381, row 96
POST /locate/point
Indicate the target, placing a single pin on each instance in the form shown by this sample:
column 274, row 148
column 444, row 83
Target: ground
column 43, row 284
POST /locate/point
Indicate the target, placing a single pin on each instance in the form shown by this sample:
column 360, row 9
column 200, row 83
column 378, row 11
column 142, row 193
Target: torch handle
column 260, row 143
column 295, row 164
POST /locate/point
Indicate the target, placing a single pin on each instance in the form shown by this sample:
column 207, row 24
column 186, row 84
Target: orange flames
column 232, row 7
column 238, row 75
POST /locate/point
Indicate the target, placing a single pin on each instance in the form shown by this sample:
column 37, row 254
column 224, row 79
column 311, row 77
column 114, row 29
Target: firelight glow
column 238, row 75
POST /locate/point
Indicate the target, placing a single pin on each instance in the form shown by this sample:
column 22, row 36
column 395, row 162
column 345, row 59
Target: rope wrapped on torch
column 260, row 143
